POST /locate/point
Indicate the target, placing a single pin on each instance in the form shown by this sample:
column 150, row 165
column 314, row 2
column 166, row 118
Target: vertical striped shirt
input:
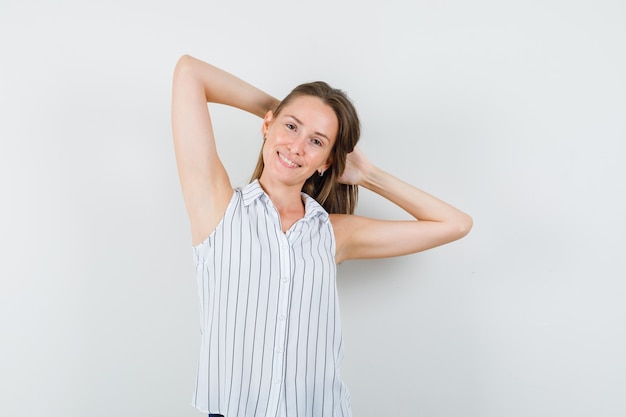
column 271, row 342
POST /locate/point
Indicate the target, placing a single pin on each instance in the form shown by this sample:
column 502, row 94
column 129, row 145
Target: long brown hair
column 326, row 189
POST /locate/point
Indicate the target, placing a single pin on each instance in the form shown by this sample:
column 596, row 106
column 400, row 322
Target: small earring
column 321, row 173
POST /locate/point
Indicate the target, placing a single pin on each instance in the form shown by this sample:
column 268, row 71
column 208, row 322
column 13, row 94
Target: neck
column 286, row 198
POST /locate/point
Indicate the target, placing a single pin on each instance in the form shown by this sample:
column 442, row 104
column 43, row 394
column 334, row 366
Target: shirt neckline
column 254, row 191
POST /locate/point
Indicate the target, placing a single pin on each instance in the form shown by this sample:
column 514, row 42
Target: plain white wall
column 515, row 111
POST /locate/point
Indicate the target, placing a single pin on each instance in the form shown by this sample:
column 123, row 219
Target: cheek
column 329, row 155
column 323, row 158
column 274, row 138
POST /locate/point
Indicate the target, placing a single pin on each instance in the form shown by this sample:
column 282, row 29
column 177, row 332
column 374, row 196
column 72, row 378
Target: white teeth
column 287, row 161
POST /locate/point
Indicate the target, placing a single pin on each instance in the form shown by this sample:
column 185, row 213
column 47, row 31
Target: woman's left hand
column 357, row 168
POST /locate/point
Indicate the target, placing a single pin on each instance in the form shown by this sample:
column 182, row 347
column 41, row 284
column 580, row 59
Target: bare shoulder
column 342, row 223
column 344, row 226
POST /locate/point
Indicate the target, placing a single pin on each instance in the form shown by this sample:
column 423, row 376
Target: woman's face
column 298, row 141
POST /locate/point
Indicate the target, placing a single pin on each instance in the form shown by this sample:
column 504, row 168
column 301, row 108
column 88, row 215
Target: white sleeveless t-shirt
column 271, row 341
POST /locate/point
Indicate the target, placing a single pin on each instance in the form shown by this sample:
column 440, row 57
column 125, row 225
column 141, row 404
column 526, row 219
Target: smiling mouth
column 287, row 162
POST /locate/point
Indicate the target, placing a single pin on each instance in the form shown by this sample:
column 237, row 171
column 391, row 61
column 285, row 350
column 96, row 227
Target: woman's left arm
column 435, row 224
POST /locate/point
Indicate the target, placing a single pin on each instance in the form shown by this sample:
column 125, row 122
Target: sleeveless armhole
column 332, row 230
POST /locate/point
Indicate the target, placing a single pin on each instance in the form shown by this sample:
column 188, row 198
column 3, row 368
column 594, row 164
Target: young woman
column 266, row 253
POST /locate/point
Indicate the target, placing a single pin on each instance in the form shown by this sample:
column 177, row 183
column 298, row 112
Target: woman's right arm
column 204, row 181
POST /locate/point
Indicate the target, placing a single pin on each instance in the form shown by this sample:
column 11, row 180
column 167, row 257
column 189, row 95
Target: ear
column 328, row 164
column 267, row 121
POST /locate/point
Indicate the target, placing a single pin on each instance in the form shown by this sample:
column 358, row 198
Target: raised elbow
column 464, row 225
column 183, row 65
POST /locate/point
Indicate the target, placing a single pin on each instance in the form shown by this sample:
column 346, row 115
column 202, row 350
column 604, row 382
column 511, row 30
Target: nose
column 296, row 145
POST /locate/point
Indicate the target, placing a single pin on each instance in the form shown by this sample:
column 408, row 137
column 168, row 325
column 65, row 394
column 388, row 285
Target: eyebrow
column 300, row 123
